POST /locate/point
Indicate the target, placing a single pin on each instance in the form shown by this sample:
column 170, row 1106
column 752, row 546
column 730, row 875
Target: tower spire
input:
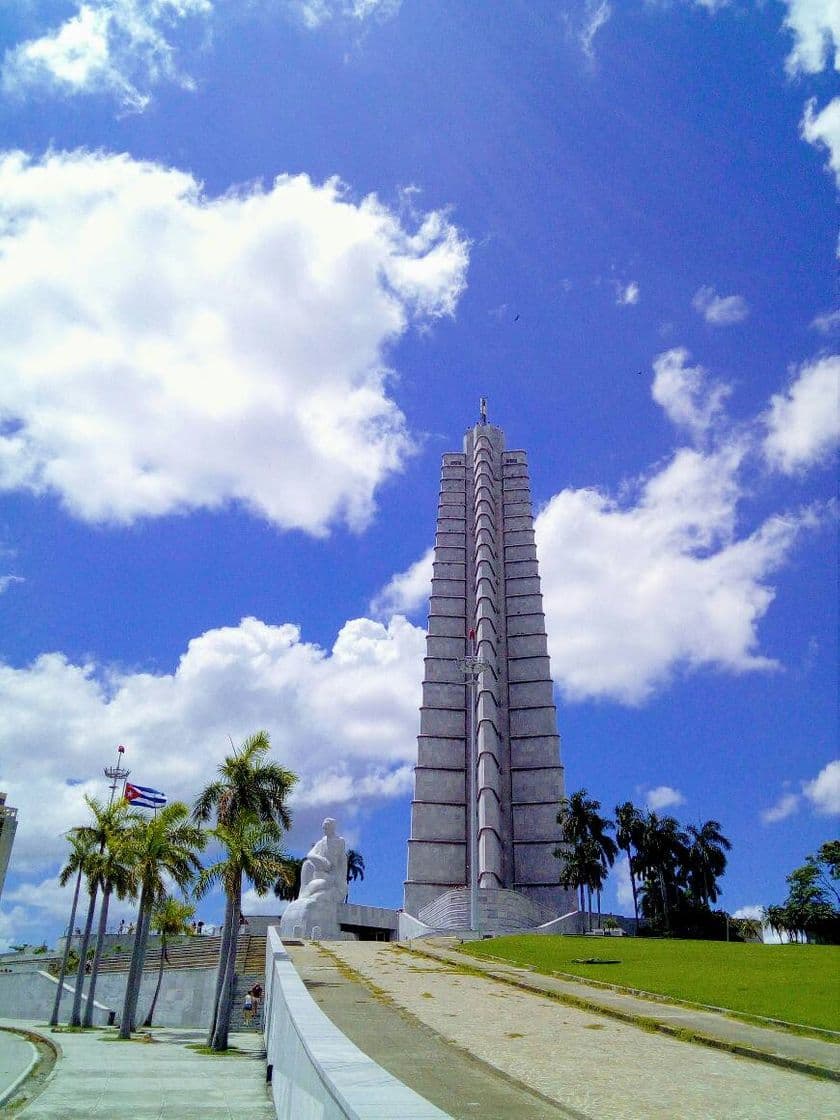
column 483, row 410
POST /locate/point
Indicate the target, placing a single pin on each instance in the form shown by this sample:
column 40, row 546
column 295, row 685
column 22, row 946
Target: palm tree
column 105, row 821
column 249, row 787
column 76, row 864
column 628, row 831
column 661, row 862
column 169, row 918
column 287, row 886
column 705, row 860
column 164, row 845
column 253, row 853
column 355, row 868
column 115, row 874
column 584, row 831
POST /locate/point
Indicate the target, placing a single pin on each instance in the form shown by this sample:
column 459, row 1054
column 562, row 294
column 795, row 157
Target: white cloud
column 823, row 129
column 719, row 311
column 345, row 720
column 315, row 13
column 7, row 581
column 408, row 591
column 754, row 913
column 596, row 15
column 803, row 424
column 685, row 394
column 824, row 791
column 634, row 590
column 663, row 797
column 118, row 47
column 785, row 807
column 627, row 294
column 168, row 351
column 623, row 886
column 827, row 323
column 815, row 26
column 821, row 793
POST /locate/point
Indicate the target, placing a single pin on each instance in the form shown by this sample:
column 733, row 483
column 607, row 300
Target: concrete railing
column 316, row 1071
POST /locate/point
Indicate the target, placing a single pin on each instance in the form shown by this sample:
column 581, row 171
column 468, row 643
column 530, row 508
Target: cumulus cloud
column 119, row 47
column 815, row 26
column 821, row 794
column 827, row 323
column 823, row 130
column 7, row 581
column 685, row 393
column 344, row 719
column 636, row 589
column 408, row 591
column 785, row 807
column 164, row 350
column 623, row 885
column 626, row 295
column 803, row 423
column 824, row 791
column 719, row 311
column 663, row 797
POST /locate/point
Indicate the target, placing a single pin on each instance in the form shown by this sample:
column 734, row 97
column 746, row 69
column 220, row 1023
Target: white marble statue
column 323, row 885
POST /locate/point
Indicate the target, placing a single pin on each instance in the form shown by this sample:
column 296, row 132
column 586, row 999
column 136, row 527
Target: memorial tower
column 487, row 695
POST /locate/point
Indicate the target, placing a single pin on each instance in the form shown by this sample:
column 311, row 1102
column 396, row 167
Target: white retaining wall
column 185, row 1000
column 317, row 1072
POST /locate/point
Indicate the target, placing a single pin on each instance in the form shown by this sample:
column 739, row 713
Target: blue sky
column 258, row 264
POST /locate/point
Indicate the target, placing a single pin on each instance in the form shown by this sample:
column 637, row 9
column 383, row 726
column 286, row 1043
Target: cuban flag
column 144, row 797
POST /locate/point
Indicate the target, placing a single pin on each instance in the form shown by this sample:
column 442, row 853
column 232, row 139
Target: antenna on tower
column 483, row 410
column 117, row 773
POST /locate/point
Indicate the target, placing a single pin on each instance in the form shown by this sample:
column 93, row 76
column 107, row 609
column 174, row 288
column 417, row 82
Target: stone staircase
column 250, row 970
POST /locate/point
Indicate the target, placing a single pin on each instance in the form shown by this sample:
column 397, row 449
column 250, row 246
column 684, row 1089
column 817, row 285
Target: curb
column 9, row 1092
column 798, row 1065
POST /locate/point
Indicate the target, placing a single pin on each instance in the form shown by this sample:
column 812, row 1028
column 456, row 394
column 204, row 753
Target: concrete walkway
column 764, row 1043
column 98, row 1079
column 17, row 1057
column 592, row 1066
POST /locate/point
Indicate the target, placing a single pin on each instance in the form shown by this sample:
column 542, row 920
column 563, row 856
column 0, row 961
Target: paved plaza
column 98, row 1079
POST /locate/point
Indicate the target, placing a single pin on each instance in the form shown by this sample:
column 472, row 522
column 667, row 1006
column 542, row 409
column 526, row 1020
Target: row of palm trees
column 130, row 855
column 673, row 870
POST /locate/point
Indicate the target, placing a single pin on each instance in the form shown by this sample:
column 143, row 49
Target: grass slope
column 798, row 983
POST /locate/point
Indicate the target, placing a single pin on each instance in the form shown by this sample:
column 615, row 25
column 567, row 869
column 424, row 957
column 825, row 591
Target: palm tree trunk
column 224, row 951
column 589, row 902
column 76, row 1013
column 220, row 1035
column 634, row 890
column 599, row 909
column 135, row 971
column 97, row 956
column 67, row 946
column 147, row 1022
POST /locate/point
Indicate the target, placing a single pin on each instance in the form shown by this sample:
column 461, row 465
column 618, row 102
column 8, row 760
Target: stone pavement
column 97, row 1079
column 592, row 1066
column 779, row 1046
column 448, row 1077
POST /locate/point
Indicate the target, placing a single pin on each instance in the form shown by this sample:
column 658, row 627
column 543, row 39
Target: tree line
column 811, row 911
column 125, row 853
column 674, row 871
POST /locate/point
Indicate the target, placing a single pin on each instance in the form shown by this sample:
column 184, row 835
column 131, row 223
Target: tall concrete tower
column 486, row 601
column 8, row 827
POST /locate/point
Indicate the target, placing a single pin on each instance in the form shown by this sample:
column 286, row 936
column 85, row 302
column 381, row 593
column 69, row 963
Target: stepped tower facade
column 486, row 602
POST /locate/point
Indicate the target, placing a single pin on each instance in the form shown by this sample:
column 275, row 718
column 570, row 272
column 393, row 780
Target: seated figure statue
column 323, row 885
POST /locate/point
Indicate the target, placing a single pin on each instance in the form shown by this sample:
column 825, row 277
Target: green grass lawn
column 797, row 983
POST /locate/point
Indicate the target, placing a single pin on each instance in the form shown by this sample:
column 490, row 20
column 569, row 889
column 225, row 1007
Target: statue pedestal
column 312, row 917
